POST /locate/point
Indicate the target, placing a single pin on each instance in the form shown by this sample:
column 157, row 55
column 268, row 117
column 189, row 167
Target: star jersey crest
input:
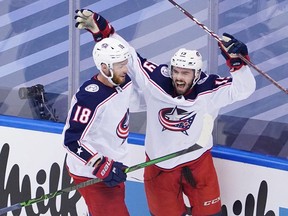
column 175, row 119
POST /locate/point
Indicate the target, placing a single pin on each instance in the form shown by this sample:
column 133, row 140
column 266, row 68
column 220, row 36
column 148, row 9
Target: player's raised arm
column 242, row 83
column 139, row 68
column 98, row 26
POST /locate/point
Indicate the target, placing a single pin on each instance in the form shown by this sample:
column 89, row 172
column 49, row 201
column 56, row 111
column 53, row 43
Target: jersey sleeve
column 83, row 107
column 140, row 69
column 227, row 90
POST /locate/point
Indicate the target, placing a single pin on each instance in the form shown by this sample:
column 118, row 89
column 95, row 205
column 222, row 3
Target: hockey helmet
column 109, row 51
column 190, row 59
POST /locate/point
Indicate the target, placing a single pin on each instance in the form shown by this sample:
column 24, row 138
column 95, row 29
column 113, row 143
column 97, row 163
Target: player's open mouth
column 180, row 85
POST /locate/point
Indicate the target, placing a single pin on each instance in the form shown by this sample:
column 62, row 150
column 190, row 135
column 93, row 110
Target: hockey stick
column 214, row 35
column 96, row 180
column 202, row 141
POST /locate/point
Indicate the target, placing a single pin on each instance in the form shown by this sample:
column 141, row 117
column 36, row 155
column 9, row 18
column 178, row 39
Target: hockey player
column 177, row 100
column 97, row 127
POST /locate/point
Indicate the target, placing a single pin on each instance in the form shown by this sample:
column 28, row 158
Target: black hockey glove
column 94, row 23
column 111, row 172
column 230, row 49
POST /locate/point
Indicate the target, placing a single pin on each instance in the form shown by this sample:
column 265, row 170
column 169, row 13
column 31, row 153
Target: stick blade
column 208, row 124
column 10, row 208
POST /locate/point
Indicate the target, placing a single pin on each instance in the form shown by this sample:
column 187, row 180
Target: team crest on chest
column 175, row 119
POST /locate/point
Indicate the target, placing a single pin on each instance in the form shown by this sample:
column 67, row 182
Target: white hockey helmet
column 109, row 51
column 190, row 59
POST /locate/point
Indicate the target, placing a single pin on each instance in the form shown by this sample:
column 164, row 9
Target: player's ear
column 105, row 69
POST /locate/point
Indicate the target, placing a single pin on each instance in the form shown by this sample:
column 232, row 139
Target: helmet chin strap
column 109, row 78
column 196, row 78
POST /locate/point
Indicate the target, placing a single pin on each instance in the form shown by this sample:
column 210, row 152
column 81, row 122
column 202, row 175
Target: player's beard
column 182, row 87
column 119, row 79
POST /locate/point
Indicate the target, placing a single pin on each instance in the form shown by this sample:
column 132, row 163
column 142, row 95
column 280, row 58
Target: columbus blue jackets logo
column 123, row 127
column 165, row 71
column 175, row 119
column 92, row 88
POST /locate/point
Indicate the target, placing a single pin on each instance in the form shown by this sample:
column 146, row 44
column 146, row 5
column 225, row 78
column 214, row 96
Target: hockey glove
column 230, row 49
column 111, row 172
column 94, row 23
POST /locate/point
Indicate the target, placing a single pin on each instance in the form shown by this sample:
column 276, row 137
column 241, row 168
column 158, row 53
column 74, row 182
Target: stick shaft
column 96, row 180
column 163, row 158
column 264, row 74
column 214, row 35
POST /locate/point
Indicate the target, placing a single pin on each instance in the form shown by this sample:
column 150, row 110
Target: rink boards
column 32, row 162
